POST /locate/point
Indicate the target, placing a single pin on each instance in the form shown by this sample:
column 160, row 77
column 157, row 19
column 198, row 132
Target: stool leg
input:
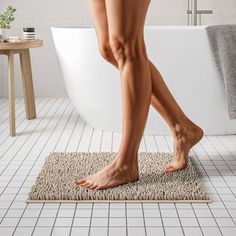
column 11, row 93
column 27, row 84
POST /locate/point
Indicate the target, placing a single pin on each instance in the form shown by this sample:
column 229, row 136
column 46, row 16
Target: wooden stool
column 22, row 48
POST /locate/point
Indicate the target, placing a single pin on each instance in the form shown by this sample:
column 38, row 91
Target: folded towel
column 222, row 40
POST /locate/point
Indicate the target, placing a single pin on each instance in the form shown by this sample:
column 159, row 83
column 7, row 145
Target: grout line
column 58, row 209
column 73, row 218
column 108, row 223
column 126, row 220
column 144, row 223
column 196, row 218
column 80, row 137
column 37, row 218
column 156, row 143
column 89, row 147
column 90, row 222
column 101, row 142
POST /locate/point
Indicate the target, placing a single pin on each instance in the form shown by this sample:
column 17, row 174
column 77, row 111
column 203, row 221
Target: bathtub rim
column 156, row 27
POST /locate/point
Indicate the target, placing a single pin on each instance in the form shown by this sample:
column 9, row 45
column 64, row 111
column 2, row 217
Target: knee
column 106, row 51
column 130, row 49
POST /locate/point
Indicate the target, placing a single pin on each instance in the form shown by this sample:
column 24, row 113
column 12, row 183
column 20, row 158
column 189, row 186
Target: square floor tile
column 131, row 205
column 101, row 222
column 208, row 231
column 20, row 231
column 67, row 206
column 132, row 222
column 95, row 231
column 83, row 213
column 192, row 231
column 117, row 205
column 39, row 231
column 84, row 205
column 207, row 222
column 7, row 231
column 154, row 231
column 48, row 213
column 220, row 213
column 114, row 222
column 171, row 222
column 136, row 231
column 100, row 205
column 9, row 222
column 60, row 231
column 117, row 213
column 77, row 231
column 26, row 222
column 186, row 213
column 189, row 222
column 81, row 222
column 14, row 213
column 151, row 213
column 63, row 222
column 117, row 231
column 224, row 222
column 176, row 231
column 65, row 213
column 152, row 206
column 153, row 222
column 169, row 213
column 45, row 222
column 203, row 213
column 134, row 213
column 31, row 213
column 100, row 213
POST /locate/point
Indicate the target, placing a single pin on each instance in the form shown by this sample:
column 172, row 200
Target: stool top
column 22, row 44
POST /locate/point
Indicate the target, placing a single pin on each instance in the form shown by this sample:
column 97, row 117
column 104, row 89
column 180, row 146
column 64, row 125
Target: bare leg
column 125, row 23
column 185, row 132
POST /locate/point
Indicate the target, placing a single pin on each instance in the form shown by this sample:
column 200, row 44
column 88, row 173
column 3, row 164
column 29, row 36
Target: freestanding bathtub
column 181, row 53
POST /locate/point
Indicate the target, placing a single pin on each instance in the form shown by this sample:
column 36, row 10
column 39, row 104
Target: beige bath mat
column 55, row 181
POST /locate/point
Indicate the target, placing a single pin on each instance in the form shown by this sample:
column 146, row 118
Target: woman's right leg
column 185, row 132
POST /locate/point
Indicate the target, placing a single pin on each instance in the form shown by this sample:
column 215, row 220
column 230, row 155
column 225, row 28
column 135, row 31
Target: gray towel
column 222, row 40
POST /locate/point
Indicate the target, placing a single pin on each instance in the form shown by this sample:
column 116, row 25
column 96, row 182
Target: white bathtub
column 182, row 55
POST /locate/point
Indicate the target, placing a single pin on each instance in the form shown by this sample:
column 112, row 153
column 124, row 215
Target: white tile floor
column 59, row 128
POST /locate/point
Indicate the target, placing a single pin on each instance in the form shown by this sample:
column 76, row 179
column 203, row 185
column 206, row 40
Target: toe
column 89, row 185
column 84, row 183
column 93, row 186
column 99, row 187
column 169, row 168
column 79, row 181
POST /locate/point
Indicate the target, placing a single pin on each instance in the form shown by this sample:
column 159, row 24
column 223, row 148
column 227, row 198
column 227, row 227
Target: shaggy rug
column 55, row 181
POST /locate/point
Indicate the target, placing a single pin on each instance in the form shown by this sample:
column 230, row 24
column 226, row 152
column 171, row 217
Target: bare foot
column 186, row 137
column 112, row 175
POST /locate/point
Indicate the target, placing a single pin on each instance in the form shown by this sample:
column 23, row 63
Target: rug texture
column 55, row 181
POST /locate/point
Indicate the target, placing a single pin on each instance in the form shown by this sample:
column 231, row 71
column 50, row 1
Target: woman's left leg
column 126, row 22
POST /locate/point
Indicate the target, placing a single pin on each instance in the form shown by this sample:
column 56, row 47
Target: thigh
column 126, row 18
column 99, row 16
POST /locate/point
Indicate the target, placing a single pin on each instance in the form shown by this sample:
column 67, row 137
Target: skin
column 119, row 29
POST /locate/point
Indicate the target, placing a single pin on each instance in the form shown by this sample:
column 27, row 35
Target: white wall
column 42, row 14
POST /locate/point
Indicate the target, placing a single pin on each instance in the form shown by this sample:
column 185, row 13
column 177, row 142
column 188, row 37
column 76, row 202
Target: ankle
column 178, row 130
column 126, row 161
